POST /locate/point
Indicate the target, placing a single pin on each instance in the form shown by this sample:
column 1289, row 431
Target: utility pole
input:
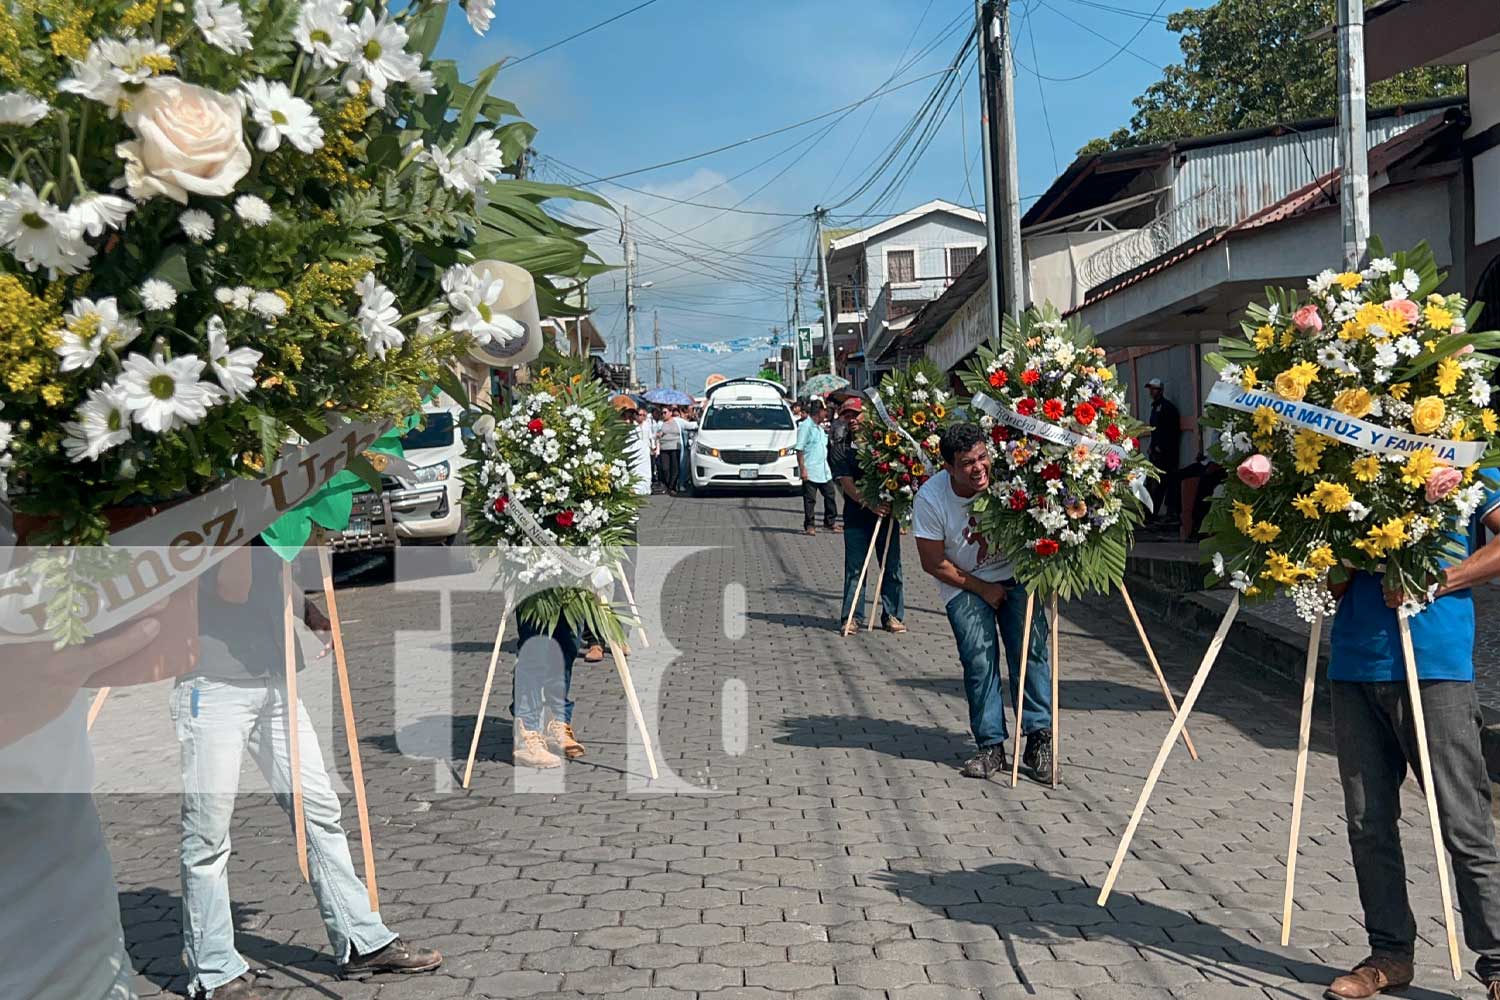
column 997, row 123
column 1354, row 189
column 656, row 341
column 629, row 245
column 828, row 317
column 796, row 326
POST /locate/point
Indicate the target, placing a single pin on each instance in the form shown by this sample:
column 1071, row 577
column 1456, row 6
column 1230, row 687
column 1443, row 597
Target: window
column 901, row 266
column 848, row 299
column 435, row 432
column 756, row 417
column 959, row 259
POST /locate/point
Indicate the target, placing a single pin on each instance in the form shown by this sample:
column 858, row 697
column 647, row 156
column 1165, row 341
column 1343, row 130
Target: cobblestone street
column 818, row 841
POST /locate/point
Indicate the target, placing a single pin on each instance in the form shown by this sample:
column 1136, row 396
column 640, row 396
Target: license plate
column 359, row 526
column 749, row 473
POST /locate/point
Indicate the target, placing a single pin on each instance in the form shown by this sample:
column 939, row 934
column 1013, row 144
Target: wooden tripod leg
column 1424, row 761
column 95, row 706
column 484, row 699
column 1056, row 708
column 1188, row 701
column 623, row 669
column 860, row 586
column 1299, row 784
column 351, row 734
column 1161, row 678
column 635, row 612
column 293, row 723
column 875, row 611
column 1015, row 764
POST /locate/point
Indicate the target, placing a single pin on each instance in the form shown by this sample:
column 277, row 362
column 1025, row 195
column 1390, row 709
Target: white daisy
column 1411, row 279
column 234, row 370
column 378, row 317
column 112, row 67
column 22, row 109
column 157, row 295
column 90, row 327
column 1479, row 392
column 449, row 170
column 198, row 225
column 1356, row 511
column 223, row 24
column 1382, row 265
column 252, row 210
column 103, row 422
column 1408, row 346
column 476, row 311
column 1322, row 283
column 281, row 116
column 481, row 160
column 380, row 56
column 323, row 32
column 1332, row 356
column 480, row 13
column 97, row 212
column 422, row 83
column 41, row 235
column 1385, row 355
column 268, row 305
column 162, row 395
column 1231, row 373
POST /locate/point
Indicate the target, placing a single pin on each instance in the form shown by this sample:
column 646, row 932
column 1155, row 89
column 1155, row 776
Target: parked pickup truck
column 422, row 506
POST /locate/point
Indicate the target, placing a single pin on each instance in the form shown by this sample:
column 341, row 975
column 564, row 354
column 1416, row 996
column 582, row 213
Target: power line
column 1041, row 90
column 1123, row 11
column 579, row 34
column 1121, row 47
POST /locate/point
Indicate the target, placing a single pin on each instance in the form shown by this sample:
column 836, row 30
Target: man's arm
column 1481, row 567
column 851, row 490
column 935, row 563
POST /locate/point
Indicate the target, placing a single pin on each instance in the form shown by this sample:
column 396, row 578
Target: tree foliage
column 1253, row 63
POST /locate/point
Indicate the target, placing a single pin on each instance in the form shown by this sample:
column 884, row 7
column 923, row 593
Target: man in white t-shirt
column 982, row 598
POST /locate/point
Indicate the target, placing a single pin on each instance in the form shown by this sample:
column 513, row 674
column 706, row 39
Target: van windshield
column 747, row 417
column 437, row 432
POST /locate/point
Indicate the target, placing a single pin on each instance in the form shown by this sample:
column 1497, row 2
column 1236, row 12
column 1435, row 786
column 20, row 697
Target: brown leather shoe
column 1374, row 975
column 398, row 957
column 594, row 654
column 240, row 988
column 560, row 735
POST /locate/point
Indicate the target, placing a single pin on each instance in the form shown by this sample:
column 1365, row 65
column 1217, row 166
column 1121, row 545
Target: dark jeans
column 544, row 674
column 810, row 491
column 670, row 469
column 975, row 625
column 859, row 525
column 1376, row 741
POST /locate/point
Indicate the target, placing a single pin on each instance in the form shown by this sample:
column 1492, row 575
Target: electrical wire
column 1041, row 90
column 1123, row 11
column 579, row 34
column 1121, row 48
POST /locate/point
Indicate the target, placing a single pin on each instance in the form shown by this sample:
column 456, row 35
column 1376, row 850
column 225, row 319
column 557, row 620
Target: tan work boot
column 594, row 654
column 560, row 735
column 1374, row 975
column 530, row 749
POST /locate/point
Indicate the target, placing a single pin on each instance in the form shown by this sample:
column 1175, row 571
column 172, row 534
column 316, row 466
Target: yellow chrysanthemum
column 1333, row 497
column 1307, row 506
column 1287, row 340
column 1448, row 374
column 1264, row 532
column 1438, row 317
column 1419, row 465
column 1265, row 420
column 1391, row 535
column 1244, row 516
column 1488, row 421
column 1307, row 450
column 1399, row 390
column 1105, row 374
column 1248, row 379
column 1350, row 280
column 1321, row 558
column 1470, row 472
column 1366, row 469
column 1264, row 337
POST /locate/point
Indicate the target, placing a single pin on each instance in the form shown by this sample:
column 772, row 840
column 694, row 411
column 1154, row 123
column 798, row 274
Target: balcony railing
column 896, row 300
column 1167, row 231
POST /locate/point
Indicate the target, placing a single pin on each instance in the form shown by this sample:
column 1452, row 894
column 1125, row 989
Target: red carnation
column 1018, row 500
column 1052, row 471
column 1135, row 443
column 1097, row 402
column 999, row 378
column 500, row 504
column 906, row 478
column 536, row 426
column 1052, row 409
column 1045, row 547
column 1084, row 414
column 1026, row 407
column 565, row 518
column 997, row 434
column 884, row 467
column 1031, row 376
column 1113, row 432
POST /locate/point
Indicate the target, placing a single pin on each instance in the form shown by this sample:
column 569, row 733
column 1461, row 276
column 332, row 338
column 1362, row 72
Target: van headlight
column 431, row 474
column 705, row 450
column 783, row 453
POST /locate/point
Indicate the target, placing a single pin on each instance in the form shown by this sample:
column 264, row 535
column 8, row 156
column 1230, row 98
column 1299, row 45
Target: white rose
column 189, row 140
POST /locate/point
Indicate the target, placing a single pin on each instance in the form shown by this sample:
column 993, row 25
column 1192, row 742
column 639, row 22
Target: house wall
column 929, row 237
column 1054, row 265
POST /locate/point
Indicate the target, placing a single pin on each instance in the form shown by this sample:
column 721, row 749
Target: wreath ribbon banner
column 532, row 529
column 890, row 421
column 1050, row 432
column 1341, row 427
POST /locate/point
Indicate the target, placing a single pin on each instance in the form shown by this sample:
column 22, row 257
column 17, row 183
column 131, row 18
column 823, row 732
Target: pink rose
column 1307, row 318
column 1406, row 308
column 1255, row 471
column 1443, row 481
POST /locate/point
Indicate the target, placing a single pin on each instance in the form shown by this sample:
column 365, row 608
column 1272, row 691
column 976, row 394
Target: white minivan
column 745, row 438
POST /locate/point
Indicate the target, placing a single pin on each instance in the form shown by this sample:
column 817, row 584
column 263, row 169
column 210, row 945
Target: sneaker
column 594, row 654
column 530, row 750
column 1037, row 758
column 853, row 628
column 397, row 956
column 988, row 761
column 894, row 625
column 560, row 735
column 241, row 988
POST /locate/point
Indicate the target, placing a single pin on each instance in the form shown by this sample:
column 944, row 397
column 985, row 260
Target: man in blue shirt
column 1376, row 743
column 812, row 463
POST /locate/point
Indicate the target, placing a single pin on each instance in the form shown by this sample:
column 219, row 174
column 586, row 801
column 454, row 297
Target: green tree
column 1252, row 63
column 769, row 374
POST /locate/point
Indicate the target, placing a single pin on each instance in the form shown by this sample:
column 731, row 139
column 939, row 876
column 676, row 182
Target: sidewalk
column 831, row 851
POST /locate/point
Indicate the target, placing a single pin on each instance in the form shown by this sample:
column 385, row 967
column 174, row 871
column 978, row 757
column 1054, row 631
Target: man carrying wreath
column 982, row 598
column 1376, row 743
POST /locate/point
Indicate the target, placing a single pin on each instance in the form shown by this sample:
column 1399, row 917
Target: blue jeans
column 975, row 624
column 215, row 721
column 859, row 525
column 544, row 674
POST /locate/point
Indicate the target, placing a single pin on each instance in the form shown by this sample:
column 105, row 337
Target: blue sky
column 683, row 76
